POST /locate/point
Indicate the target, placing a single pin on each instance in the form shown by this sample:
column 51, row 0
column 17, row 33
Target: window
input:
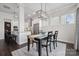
column 63, row 19
column 70, row 19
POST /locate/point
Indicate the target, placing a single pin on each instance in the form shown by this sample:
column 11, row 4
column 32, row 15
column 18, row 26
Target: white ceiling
column 8, row 7
column 33, row 6
column 30, row 8
column 49, row 6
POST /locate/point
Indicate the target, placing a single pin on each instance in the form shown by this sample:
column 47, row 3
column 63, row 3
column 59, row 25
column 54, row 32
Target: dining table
column 39, row 38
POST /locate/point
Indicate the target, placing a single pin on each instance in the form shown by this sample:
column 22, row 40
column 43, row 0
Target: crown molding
column 63, row 10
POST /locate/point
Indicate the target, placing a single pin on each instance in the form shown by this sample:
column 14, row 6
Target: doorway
column 7, row 30
column 36, row 28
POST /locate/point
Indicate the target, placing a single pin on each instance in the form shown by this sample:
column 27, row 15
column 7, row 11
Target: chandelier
column 15, row 12
column 42, row 14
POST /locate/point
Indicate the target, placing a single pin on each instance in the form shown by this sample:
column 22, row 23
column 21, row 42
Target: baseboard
column 64, row 42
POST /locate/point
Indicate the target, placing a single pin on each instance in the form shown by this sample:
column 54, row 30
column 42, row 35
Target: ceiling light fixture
column 42, row 14
column 14, row 12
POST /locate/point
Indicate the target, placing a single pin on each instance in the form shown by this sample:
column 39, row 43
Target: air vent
column 5, row 6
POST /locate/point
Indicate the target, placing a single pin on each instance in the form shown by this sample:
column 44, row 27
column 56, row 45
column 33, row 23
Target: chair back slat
column 56, row 35
column 50, row 33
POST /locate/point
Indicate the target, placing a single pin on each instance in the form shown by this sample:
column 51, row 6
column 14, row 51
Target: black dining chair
column 50, row 34
column 8, row 38
column 55, row 39
column 34, row 41
column 47, row 43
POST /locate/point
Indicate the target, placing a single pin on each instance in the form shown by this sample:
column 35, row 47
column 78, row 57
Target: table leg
column 50, row 45
column 28, row 44
column 39, row 48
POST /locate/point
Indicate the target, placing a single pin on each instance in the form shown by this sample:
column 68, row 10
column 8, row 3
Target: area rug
column 60, row 50
column 70, row 52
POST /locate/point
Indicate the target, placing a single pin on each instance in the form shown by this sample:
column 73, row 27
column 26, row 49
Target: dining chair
column 55, row 38
column 50, row 34
column 46, row 42
column 9, row 38
column 32, row 41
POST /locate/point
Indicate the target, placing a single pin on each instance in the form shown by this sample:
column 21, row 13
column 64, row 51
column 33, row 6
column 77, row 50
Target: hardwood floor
column 70, row 51
column 5, row 49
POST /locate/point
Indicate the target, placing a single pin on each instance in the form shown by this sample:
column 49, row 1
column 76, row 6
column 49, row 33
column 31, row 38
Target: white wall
column 66, row 31
column 1, row 28
column 14, row 22
column 5, row 17
column 77, row 29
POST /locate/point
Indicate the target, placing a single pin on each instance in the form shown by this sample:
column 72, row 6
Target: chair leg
column 54, row 44
column 32, row 44
column 47, row 50
column 36, row 47
column 50, row 47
